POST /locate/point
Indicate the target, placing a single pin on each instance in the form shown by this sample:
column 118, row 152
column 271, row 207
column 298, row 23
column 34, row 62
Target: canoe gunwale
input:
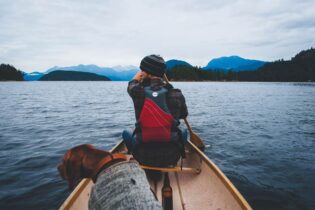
column 75, row 194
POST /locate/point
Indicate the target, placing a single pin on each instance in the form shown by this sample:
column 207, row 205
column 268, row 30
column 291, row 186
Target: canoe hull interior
column 210, row 189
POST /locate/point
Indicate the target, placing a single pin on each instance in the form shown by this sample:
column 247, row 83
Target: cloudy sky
column 36, row 34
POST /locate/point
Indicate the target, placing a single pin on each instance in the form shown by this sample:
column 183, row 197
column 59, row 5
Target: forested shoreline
column 300, row 68
column 10, row 73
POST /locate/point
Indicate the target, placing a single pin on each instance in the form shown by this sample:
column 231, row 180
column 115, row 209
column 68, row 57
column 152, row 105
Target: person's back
column 157, row 140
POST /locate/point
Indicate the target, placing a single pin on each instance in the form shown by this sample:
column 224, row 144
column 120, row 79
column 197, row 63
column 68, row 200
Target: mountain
column 170, row 64
column 61, row 75
column 234, row 63
column 124, row 68
column 112, row 73
column 32, row 76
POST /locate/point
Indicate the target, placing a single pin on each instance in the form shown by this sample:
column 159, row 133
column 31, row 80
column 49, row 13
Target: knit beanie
column 153, row 64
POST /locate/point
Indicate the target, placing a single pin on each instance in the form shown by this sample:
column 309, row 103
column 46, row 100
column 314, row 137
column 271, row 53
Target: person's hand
column 137, row 76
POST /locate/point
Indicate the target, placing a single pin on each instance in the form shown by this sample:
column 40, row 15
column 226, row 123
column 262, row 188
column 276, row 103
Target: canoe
column 197, row 184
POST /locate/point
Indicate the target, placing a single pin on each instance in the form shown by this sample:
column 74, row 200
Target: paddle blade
column 196, row 140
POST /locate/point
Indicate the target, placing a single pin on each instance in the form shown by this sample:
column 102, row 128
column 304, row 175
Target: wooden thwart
column 173, row 169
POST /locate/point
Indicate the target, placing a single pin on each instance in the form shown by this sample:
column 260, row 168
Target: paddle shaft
column 193, row 136
column 185, row 119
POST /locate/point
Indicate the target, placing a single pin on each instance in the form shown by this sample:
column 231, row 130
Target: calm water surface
column 262, row 136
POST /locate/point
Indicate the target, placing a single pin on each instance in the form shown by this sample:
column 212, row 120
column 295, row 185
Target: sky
column 38, row 34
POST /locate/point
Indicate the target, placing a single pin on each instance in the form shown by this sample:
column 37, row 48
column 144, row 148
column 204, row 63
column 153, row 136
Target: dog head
column 72, row 168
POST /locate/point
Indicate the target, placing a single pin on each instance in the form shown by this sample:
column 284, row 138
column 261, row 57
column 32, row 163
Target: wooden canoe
column 208, row 189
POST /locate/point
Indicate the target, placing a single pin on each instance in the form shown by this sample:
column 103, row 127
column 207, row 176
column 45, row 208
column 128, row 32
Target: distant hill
column 32, row 76
column 119, row 73
column 234, row 63
column 170, row 64
column 72, row 76
column 120, row 68
column 10, row 73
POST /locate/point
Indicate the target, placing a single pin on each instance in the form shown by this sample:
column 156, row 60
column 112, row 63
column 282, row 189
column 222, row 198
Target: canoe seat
column 173, row 169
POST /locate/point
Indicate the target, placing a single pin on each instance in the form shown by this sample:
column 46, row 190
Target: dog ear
column 61, row 170
column 62, row 167
column 69, row 169
column 73, row 166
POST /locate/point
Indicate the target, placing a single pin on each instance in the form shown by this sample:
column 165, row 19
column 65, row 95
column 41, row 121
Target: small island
column 60, row 75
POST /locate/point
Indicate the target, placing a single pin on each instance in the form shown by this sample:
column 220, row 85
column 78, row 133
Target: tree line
column 300, row 68
column 10, row 73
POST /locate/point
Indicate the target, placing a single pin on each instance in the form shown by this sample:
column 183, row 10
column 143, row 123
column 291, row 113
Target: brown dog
column 114, row 181
column 85, row 161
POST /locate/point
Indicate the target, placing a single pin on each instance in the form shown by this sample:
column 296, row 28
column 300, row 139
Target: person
column 157, row 139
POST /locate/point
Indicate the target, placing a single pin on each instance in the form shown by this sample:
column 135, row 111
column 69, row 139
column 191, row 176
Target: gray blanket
column 122, row 186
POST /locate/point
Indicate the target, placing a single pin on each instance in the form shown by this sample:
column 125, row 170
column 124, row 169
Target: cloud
column 36, row 35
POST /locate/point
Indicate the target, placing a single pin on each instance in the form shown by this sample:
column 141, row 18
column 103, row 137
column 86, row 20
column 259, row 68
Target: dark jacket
column 175, row 99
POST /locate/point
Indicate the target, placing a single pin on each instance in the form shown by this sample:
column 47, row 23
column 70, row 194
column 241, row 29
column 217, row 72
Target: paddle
column 194, row 138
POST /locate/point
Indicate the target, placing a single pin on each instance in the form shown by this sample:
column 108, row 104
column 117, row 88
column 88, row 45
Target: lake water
column 262, row 136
